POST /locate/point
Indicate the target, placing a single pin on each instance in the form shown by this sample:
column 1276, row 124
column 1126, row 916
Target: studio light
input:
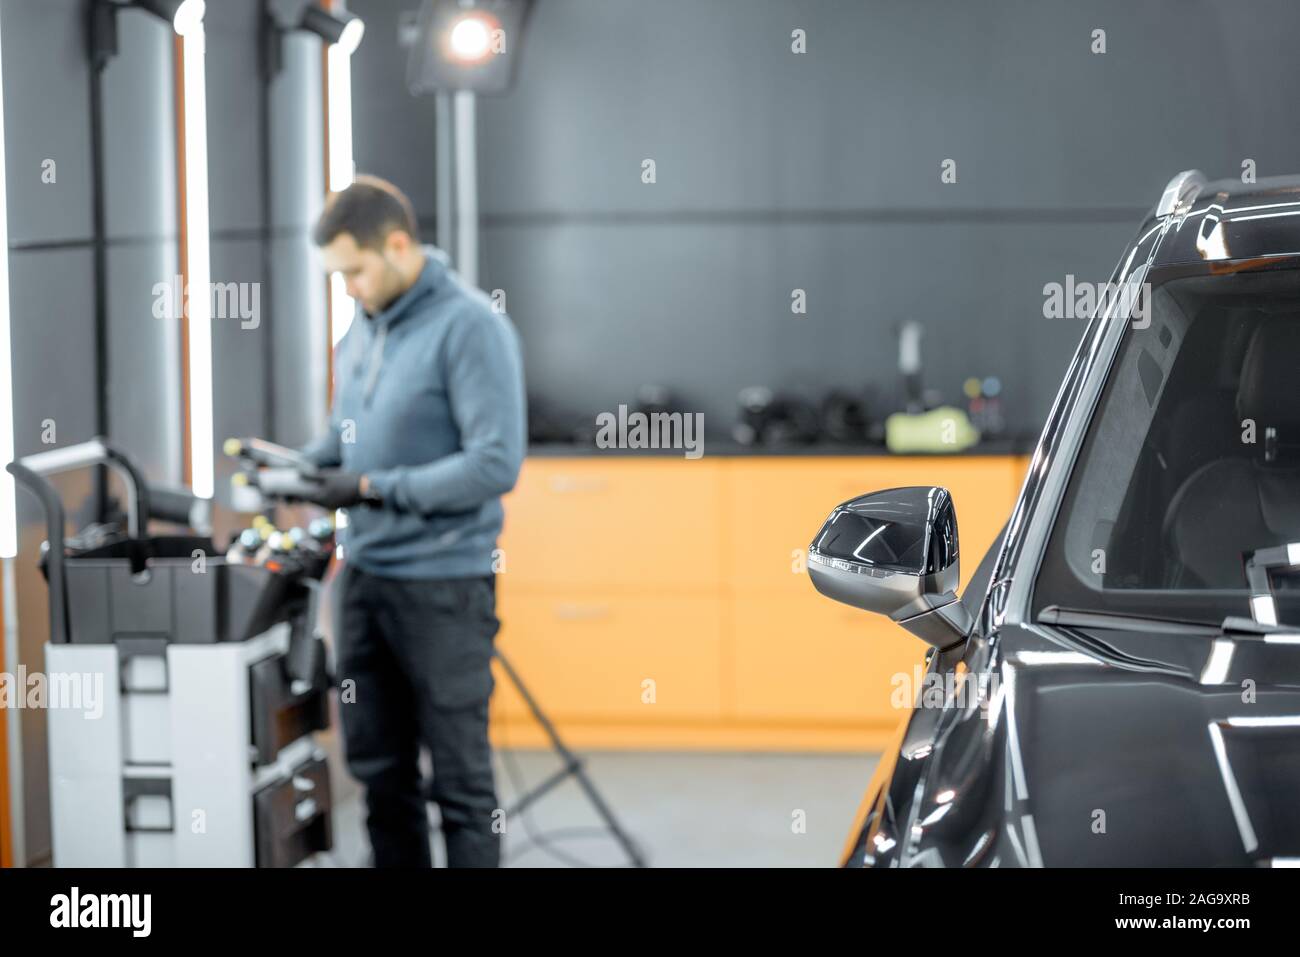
column 346, row 32
column 470, row 39
column 461, row 48
column 341, row 33
column 466, row 46
column 183, row 15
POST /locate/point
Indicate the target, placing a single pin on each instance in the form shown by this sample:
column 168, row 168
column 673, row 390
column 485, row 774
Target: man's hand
column 335, row 488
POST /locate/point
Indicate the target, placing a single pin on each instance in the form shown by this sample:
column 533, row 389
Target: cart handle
column 30, row 471
column 98, row 451
column 59, row 633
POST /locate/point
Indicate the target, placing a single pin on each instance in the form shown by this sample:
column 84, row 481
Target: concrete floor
column 683, row 809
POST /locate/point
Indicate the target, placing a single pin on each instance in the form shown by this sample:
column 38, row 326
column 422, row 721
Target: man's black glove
column 335, row 488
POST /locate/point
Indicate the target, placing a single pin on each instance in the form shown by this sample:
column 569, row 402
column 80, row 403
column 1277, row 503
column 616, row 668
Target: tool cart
column 214, row 681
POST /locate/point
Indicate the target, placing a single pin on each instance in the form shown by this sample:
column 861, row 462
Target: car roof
column 1227, row 220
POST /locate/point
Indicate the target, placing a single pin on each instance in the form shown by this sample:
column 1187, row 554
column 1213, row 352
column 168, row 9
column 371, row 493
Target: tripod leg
column 572, row 765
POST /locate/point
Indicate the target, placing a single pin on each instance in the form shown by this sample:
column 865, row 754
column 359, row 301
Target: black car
column 1120, row 683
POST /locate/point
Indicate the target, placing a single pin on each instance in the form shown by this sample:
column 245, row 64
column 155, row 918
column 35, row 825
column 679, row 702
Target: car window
column 1191, row 463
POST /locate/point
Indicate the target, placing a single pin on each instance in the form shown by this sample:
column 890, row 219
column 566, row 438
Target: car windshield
column 1191, row 464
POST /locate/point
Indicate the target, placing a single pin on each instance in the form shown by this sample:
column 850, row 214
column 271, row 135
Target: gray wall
column 393, row 132
column 821, row 171
column 47, row 115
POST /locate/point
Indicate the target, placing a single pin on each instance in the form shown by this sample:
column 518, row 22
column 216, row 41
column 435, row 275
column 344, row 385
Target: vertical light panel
column 466, row 186
column 339, row 68
column 8, row 514
column 199, row 294
column 13, row 841
column 338, row 71
column 342, row 309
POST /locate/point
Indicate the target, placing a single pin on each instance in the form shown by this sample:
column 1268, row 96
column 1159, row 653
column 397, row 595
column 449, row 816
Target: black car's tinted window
column 1192, row 460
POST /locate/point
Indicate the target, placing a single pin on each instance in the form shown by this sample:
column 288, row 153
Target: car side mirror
column 895, row 552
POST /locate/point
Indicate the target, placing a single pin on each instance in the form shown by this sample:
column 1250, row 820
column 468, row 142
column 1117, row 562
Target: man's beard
column 396, row 290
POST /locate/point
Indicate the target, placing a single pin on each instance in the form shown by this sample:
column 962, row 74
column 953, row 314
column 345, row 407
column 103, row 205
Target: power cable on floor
column 544, row 839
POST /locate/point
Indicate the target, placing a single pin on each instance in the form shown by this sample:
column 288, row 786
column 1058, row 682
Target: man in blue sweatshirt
column 427, row 432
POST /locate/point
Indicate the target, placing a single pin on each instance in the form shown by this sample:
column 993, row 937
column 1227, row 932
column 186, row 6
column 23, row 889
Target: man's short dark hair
column 369, row 210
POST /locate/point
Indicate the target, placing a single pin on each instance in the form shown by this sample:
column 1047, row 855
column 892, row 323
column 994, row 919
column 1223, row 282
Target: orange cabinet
column 640, row 522
column 802, row 658
column 775, row 506
column 594, row 655
column 662, row 602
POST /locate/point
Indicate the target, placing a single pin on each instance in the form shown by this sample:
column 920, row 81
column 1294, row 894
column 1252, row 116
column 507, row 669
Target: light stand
column 572, row 765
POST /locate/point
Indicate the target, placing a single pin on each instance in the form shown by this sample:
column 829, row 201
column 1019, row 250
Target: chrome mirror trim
column 919, row 594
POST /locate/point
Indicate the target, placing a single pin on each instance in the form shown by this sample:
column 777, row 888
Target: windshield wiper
column 1234, row 625
column 1082, row 618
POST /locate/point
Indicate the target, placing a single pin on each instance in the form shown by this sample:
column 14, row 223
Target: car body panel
column 1074, row 757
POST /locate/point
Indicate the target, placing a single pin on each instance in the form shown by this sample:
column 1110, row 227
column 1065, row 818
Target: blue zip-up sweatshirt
column 429, row 403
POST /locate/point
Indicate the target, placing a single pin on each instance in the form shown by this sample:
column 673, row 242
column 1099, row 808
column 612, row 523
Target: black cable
column 566, row 834
column 537, row 838
column 540, row 839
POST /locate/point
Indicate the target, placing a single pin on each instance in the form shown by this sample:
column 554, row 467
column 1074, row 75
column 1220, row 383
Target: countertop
column 1023, row 445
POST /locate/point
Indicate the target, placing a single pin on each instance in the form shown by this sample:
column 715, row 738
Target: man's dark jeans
column 419, row 654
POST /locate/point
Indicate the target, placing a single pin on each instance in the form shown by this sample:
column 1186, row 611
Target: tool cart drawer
column 283, row 710
column 292, row 816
